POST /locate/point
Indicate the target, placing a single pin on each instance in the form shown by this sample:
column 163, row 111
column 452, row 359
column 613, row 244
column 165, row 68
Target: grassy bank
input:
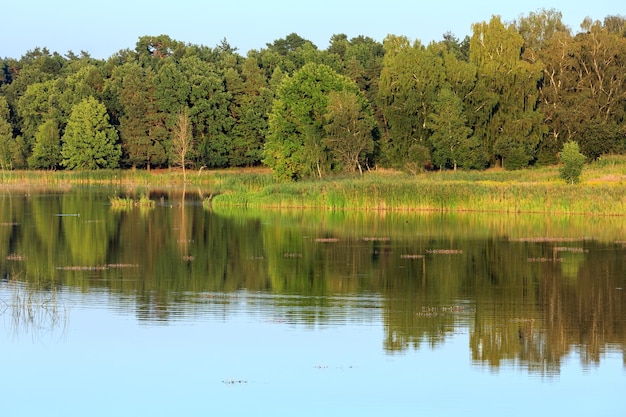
column 602, row 189
column 401, row 193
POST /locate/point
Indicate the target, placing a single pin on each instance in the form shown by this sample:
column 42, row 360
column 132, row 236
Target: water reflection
column 528, row 290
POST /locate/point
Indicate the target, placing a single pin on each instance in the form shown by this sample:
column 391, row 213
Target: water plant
column 128, row 203
column 32, row 307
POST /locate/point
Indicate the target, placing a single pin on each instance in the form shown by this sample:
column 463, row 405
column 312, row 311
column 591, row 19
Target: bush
column 418, row 159
column 573, row 162
column 516, row 159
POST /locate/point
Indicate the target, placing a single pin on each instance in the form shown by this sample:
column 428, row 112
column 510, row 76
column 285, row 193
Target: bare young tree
column 182, row 141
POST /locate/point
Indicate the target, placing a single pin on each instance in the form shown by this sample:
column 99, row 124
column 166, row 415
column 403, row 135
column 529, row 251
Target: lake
column 180, row 309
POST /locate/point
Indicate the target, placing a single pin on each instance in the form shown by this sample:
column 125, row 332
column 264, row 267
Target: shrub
column 573, row 162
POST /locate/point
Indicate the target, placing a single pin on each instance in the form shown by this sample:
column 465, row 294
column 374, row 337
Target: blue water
column 247, row 357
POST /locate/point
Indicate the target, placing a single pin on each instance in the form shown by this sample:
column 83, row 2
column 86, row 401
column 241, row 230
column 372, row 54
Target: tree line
column 510, row 95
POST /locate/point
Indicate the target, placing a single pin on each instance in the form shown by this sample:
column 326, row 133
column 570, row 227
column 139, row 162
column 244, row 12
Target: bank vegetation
column 600, row 191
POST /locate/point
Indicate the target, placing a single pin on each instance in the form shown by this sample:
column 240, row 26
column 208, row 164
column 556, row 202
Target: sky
column 103, row 28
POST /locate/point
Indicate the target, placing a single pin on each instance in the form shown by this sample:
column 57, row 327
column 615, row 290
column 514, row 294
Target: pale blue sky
column 104, row 27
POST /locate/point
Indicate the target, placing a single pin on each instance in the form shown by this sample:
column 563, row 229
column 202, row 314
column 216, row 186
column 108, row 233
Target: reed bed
column 535, row 190
column 410, row 193
column 602, row 191
column 128, row 203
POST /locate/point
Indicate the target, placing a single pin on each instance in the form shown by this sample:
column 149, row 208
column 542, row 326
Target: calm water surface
column 182, row 310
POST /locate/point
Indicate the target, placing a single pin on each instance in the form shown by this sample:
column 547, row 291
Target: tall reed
column 375, row 192
column 33, row 308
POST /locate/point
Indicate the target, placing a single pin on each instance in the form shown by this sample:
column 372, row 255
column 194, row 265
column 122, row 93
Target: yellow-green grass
column 602, row 189
column 402, row 193
column 127, row 202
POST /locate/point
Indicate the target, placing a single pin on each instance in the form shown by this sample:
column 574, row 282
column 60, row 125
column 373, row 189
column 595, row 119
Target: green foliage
column 47, row 150
column 597, row 138
column 295, row 145
column 349, row 126
column 573, row 162
column 89, row 141
column 209, row 111
column 40, row 102
column 450, row 132
column 6, row 134
column 18, row 151
column 409, row 81
column 524, row 88
column 586, row 106
column 85, row 82
column 363, row 61
column 418, row 159
column 517, row 157
column 142, row 129
column 538, row 29
column 509, row 124
column 250, row 106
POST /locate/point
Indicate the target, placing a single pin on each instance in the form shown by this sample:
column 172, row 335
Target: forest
column 510, row 96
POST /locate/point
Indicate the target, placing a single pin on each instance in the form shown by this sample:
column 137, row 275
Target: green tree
column 86, row 81
column 172, row 88
column 363, row 62
column 409, row 81
column 36, row 66
column 289, row 43
column 584, row 90
column 557, row 96
column 460, row 75
column 538, row 29
column 154, row 51
column 291, row 53
column 573, row 162
column 6, row 135
column 601, row 90
column 19, row 151
column 250, row 106
column 349, row 126
column 506, row 117
column 208, row 103
column 459, row 49
column 39, row 103
column 142, row 128
column 449, row 139
column 89, row 141
column 295, row 146
column 47, row 150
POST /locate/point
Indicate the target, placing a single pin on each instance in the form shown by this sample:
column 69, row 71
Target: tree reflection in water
column 527, row 289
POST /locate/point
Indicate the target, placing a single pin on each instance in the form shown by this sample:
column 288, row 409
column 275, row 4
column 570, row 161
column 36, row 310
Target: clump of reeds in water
column 31, row 308
column 128, row 203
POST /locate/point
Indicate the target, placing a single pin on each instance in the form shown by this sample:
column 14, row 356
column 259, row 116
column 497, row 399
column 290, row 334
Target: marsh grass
column 435, row 194
column 33, row 308
column 534, row 190
column 126, row 203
